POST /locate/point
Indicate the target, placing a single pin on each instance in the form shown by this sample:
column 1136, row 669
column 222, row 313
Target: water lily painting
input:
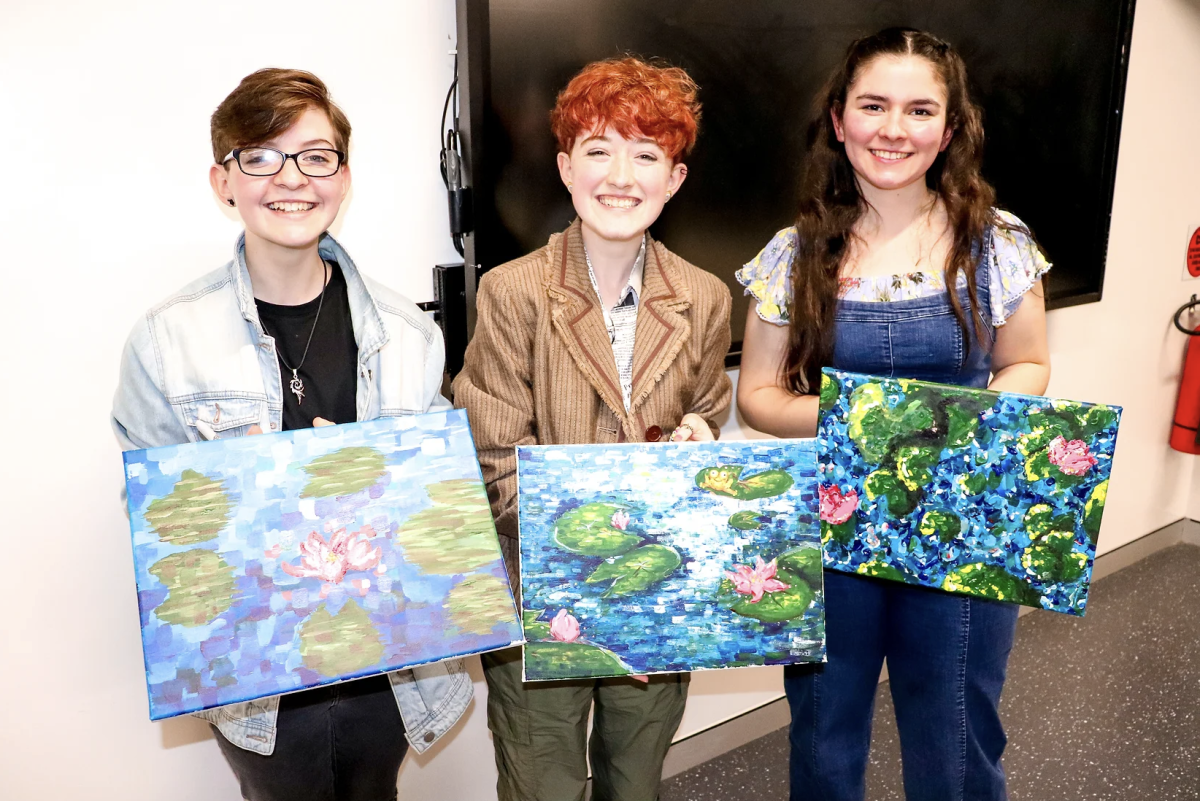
column 653, row 558
column 983, row 493
column 278, row 562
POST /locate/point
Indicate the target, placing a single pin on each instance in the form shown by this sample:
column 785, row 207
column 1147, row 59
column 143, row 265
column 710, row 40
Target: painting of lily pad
column 654, row 558
column 278, row 562
column 983, row 493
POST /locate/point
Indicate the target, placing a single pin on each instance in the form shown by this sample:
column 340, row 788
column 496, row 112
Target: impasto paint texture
column 652, row 558
column 970, row 491
column 273, row 563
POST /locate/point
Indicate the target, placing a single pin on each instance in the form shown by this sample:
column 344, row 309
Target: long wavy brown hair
column 831, row 204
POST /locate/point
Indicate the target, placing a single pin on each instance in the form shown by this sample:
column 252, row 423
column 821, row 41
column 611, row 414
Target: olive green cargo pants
column 539, row 730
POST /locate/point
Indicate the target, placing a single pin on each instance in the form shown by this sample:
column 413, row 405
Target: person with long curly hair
column 601, row 336
column 900, row 265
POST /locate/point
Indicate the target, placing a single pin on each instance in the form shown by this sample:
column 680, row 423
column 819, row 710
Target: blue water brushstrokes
column 677, row 624
column 251, row 650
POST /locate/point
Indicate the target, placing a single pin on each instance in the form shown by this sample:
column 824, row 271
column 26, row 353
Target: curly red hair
column 635, row 98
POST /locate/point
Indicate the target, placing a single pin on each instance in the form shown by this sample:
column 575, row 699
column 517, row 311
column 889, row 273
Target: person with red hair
column 601, row 336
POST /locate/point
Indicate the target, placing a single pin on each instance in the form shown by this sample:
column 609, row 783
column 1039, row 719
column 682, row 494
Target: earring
column 569, row 186
column 668, row 195
column 230, row 201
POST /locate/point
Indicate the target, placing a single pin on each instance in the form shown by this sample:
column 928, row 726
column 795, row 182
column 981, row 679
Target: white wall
column 107, row 208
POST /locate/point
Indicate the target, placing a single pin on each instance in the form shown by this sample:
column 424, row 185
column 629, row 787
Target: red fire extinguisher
column 1185, row 428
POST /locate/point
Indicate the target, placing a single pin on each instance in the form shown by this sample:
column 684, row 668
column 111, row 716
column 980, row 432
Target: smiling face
column 288, row 210
column 618, row 185
column 894, row 122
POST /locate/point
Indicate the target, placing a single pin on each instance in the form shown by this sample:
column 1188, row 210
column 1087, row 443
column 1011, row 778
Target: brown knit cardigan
column 540, row 367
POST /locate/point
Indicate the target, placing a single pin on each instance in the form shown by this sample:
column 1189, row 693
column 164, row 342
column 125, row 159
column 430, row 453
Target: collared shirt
column 621, row 319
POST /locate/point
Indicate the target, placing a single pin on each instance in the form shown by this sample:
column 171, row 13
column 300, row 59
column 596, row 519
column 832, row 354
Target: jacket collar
column 661, row 326
column 369, row 332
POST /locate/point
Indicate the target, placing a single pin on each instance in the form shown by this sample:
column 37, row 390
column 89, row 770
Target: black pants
column 338, row 743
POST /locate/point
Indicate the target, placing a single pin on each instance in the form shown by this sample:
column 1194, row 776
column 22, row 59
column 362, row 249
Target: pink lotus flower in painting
column 330, row 561
column 1070, row 457
column 564, row 627
column 620, row 520
column 836, row 508
column 755, row 581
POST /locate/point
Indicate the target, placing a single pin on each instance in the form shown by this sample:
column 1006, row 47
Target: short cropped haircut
column 634, row 97
column 268, row 102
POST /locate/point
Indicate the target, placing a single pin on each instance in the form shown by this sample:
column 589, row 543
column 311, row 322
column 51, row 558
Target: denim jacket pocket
column 222, row 416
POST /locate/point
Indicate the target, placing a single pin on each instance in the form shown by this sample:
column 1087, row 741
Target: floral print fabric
column 1016, row 264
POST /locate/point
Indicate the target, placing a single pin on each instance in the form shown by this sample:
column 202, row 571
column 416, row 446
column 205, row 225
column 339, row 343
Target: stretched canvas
column 278, row 562
column 984, row 493
column 651, row 558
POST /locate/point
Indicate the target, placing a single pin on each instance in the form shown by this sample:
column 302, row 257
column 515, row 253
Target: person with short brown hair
column 290, row 335
column 601, row 336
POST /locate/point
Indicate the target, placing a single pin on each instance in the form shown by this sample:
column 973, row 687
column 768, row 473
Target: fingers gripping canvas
column 650, row 558
column 970, row 491
column 273, row 563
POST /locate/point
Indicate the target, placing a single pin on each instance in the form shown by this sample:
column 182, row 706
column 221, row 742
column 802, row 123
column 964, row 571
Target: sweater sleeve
column 496, row 388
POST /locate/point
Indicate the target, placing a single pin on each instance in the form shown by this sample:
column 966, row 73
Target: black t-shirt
column 330, row 371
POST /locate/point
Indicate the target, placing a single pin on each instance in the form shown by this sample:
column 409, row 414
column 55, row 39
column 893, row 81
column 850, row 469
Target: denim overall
column 946, row 654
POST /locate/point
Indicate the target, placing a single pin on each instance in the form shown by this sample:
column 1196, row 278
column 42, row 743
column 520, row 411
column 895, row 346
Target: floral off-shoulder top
column 1016, row 265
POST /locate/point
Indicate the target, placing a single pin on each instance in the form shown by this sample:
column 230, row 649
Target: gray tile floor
column 1104, row 707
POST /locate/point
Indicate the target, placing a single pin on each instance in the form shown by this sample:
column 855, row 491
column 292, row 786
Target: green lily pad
column 1053, row 558
column 945, row 525
column 873, row 426
column 1044, row 427
column 881, row 570
column 746, row 520
column 962, row 421
column 1040, row 519
column 979, row 482
column 775, row 607
column 343, row 472
column 914, row 463
column 571, row 660
column 804, row 562
column 991, row 581
column 726, row 480
column 1094, row 509
column 636, row 570
column 479, row 602
column 195, row 511
column 455, row 535
column 341, row 644
column 588, row 530
column 1094, row 420
column 201, row 587
column 829, row 391
column 885, row 484
column 766, row 484
column 842, row 532
column 534, row 629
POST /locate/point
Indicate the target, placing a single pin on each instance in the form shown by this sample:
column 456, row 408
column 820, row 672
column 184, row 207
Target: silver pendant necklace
column 296, row 385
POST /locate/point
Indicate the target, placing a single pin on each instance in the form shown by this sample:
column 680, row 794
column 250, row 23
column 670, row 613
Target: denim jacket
column 200, row 365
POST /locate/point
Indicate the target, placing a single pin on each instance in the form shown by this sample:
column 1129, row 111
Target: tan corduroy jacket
column 540, row 367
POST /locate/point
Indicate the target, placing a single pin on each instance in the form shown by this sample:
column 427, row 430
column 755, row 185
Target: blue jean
column 340, row 742
column 946, row 655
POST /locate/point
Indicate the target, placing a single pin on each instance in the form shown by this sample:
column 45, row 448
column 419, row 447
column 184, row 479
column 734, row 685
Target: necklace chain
column 296, row 385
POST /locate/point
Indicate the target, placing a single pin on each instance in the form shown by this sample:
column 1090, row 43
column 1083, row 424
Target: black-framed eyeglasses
column 261, row 161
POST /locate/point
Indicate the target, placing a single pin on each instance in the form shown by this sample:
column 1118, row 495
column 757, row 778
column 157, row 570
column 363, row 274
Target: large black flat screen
column 1050, row 76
